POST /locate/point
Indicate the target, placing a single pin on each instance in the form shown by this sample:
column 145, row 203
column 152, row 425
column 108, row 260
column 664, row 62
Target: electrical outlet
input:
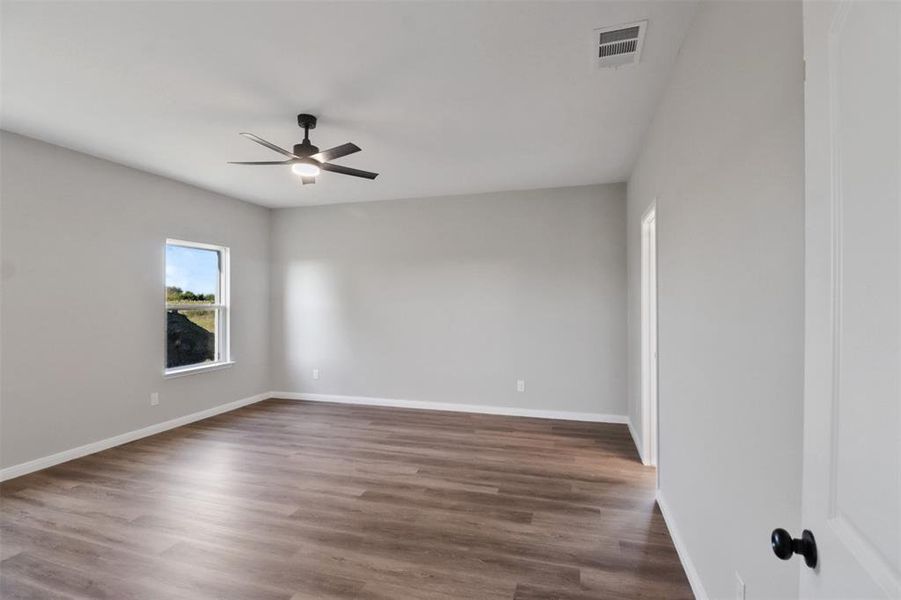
column 520, row 385
column 739, row 587
column 154, row 398
column 315, row 373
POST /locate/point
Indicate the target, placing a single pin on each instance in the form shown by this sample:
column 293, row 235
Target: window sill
column 193, row 370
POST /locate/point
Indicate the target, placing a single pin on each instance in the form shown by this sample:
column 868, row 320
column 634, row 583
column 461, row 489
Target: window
column 197, row 310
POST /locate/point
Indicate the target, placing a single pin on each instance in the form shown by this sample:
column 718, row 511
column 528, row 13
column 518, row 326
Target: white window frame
column 223, row 305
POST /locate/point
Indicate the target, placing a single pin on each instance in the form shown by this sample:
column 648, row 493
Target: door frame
column 649, row 364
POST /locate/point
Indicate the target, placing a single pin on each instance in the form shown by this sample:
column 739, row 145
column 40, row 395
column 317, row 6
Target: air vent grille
column 617, row 48
column 620, row 45
column 618, row 35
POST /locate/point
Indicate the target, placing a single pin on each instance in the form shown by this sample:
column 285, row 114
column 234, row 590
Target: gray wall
column 453, row 299
column 724, row 158
column 82, row 298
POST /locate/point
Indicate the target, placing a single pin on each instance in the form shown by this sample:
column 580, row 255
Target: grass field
column 204, row 318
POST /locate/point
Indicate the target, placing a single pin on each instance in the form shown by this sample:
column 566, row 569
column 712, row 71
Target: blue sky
column 192, row 269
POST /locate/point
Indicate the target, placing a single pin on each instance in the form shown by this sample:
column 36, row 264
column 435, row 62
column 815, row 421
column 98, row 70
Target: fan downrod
column 306, row 148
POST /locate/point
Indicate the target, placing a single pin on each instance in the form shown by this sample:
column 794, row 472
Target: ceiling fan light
column 305, row 169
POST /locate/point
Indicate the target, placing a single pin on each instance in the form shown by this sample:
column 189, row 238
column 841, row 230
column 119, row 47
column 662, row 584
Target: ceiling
column 443, row 97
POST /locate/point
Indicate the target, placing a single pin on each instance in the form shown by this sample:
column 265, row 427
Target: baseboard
column 637, row 442
column 694, row 579
column 454, row 407
column 67, row 455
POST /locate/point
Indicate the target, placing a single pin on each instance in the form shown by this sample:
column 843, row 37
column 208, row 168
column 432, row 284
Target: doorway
column 649, row 336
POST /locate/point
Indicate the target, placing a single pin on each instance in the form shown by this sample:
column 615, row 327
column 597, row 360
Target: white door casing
column 649, row 336
column 852, row 398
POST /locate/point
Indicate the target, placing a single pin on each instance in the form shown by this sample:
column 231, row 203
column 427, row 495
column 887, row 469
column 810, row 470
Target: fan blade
column 269, row 145
column 308, row 180
column 336, row 152
column 265, row 162
column 347, row 171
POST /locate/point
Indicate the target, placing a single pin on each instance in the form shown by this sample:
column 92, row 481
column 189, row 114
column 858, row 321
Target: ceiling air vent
column 620, row 45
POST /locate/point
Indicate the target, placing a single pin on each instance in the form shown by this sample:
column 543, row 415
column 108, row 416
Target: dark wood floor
column 291, row 500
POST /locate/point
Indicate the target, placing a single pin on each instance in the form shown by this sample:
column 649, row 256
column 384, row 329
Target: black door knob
column 784, row 546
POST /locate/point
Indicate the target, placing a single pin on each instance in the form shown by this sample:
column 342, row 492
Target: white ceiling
column 444, row 98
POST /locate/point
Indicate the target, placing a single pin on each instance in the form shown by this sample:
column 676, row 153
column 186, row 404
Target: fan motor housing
column 305, row 148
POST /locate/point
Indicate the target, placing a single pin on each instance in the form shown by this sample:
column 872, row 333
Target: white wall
column 443, row 299
column 724, row 159
column 453, row 299
column 83, row 339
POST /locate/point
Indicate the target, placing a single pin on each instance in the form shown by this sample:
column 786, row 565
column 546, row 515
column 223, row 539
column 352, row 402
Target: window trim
column 223, row 306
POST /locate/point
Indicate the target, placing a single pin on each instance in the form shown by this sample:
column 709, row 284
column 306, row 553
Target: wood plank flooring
column 288, row 500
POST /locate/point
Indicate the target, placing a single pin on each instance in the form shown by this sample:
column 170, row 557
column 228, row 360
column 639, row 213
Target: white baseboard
column 454, row 407
column 694, row 579
column 637, row 442
column 67, row 455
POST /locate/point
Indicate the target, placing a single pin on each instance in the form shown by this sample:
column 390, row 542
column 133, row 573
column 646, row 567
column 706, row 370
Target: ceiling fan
column 306, row 160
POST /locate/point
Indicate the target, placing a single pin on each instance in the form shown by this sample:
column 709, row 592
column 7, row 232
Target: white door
column 852, row 398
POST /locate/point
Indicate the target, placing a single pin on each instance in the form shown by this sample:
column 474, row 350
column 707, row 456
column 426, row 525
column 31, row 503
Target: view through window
column 196, row 305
